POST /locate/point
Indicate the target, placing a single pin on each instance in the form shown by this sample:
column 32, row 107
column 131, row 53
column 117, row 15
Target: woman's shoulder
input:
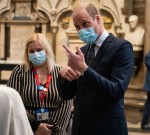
column 56, row 67
column 19, row 68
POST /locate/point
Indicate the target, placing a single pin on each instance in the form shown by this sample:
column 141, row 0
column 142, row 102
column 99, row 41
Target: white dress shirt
column 100, row 41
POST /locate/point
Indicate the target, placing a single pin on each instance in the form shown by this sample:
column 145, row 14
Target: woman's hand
column 44, row 129
column 69, row 74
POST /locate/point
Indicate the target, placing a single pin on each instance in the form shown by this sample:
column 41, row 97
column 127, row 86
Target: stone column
column 54, row 31
column 44, row 28
column 2, row 40
column 147, row 26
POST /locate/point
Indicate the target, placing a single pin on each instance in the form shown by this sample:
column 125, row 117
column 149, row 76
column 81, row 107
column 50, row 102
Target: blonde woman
column 36, row 80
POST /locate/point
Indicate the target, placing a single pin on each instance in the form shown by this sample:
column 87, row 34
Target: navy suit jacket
column 147, row 79
column 99, row 93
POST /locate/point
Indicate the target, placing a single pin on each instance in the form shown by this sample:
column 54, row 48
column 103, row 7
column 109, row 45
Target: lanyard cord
column 42, row 90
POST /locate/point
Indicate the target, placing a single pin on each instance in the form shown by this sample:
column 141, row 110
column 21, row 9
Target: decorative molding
column 4, row 5
column 53, row 8
column 23, row 9
column 111, row 7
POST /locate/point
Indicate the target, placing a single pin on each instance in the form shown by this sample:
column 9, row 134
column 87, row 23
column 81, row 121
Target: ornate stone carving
column 53, row 7
column 4, row 5
column 23, row 9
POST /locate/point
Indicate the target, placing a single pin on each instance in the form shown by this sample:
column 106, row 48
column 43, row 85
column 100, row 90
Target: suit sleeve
column 147, row 60
column 66, row 89
column 114, row 86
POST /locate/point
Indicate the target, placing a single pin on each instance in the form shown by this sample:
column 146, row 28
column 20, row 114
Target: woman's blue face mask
column 88, row 35
column 37, row 58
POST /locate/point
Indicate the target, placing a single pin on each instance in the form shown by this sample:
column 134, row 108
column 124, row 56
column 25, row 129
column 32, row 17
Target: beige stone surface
column 19, row 35
column 4, row 5
column 135, row 129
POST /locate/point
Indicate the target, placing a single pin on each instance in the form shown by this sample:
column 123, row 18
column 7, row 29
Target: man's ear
column 97, row 17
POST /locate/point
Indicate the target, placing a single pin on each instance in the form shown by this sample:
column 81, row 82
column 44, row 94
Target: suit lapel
column 85, row 51
column 102, row 49
column 100, row 52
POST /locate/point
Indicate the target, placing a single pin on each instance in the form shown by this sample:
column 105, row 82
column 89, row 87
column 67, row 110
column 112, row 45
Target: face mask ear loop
column 97, row 32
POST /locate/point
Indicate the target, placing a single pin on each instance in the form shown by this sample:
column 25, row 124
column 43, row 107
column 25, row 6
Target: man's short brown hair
column 91, row 9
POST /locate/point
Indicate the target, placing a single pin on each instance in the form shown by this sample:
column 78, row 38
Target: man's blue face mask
column 88, row 35
column 37, row 58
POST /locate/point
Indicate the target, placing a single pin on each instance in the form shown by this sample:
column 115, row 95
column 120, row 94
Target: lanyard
column 42, row 90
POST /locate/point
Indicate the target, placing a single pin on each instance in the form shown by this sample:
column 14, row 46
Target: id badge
column 42, row 114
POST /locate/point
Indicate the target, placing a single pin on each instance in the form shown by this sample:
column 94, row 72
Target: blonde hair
column 42, row 40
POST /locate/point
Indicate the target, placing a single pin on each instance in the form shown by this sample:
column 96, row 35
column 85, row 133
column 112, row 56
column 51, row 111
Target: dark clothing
column 147, row 79
column 146, row 111
column 99, row 102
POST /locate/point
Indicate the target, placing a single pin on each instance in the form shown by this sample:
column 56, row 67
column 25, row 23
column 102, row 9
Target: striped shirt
column 59, row 110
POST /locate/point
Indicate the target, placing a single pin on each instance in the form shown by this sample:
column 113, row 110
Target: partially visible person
column 13, row 117
column 106, row 65
column 36, row 81
column 146, row 111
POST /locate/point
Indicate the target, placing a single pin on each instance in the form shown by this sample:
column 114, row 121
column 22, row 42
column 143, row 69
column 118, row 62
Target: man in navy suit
column 146, row 111
column 98, row 84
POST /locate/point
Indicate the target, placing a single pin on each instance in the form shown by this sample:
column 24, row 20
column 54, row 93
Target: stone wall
column 53, row 18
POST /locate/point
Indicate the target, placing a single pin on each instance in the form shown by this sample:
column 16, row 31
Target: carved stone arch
column 64, row 21
column 41, row 13
column 6, row 13
column 53, row 8
column 5, row 5
column 15, row 23
column 7, row 10
column 111, row 7
column 108, row 13
column 108, row 21
column 65, row 18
